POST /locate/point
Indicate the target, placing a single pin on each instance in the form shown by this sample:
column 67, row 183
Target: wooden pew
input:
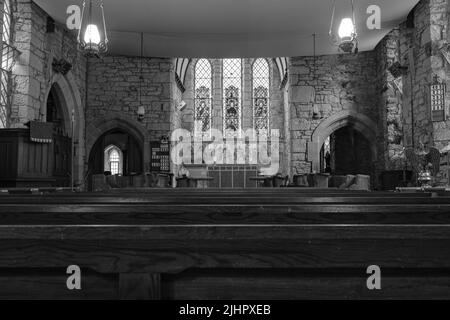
column 215, row 244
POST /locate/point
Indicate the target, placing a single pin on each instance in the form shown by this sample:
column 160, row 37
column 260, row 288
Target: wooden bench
column 253, row 244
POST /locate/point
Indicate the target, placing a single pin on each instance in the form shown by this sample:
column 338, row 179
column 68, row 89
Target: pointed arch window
column 261, row 95
column 203, row 96
column 113, row 160
column 7, row 53
column 232, row 96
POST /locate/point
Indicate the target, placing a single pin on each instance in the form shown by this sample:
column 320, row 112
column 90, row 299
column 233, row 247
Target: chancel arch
column 116, row 152
column 359, row 122
column 117, row 121
column 127, row 134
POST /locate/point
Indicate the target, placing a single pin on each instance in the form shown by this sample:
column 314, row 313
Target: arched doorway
column 116, row 152
column 346, row 151
column 360, row 126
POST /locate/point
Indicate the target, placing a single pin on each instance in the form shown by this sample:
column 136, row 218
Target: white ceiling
column 232, row 28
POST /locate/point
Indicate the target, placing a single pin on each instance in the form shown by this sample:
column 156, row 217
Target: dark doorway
column 347, row 151
column 62, row 143
column 125, row 152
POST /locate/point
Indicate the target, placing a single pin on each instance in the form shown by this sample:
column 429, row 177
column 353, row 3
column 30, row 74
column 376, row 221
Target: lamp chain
column 81, row 21
column 314, row 49
column 141, row 78
column 354, row 17
column 332, row 18
column 104, row 22
column 90, row 13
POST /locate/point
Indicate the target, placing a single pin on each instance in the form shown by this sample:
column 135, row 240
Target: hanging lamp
column 93, row 42
column 346, row 38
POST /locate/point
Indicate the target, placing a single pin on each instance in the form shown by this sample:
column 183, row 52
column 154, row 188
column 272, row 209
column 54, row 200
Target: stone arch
column 358, row 121
column 69, row 96
column 123, row 122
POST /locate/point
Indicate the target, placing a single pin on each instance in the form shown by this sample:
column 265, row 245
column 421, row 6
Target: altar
column 223, row 176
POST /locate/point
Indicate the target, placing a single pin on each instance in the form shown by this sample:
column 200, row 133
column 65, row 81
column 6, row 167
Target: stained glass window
column 232, row 95
column 203, row 96
column 261, row 95
column 7, row 52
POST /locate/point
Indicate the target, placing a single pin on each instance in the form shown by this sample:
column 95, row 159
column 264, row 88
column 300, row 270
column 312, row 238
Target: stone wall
column 416, row 53
column 415, row 44
column 420, row 51
column 114, row 84
column 440, row 36
column 33, row 75
column 325, row 87
column 390, row 142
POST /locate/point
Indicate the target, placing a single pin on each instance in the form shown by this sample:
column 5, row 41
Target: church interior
column 246, row 149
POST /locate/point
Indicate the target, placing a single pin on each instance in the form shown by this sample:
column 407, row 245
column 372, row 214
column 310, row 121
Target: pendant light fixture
column 141, row 108
column 90, row 39
column 346, row 38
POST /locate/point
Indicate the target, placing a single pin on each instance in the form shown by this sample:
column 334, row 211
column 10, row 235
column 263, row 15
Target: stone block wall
column 420, row 47
column 23, row 108
column 33, row 75
column 323, row 87
column 390, row 142
column 114, row 84
column 440, row 36
column 418, row 117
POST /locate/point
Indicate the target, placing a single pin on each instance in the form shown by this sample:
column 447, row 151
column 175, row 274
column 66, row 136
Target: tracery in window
column 203, row 96
column 232, row 95
column 261, row 95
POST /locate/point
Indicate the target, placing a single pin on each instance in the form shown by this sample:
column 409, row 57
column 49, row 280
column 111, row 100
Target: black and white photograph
column 225, row 155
